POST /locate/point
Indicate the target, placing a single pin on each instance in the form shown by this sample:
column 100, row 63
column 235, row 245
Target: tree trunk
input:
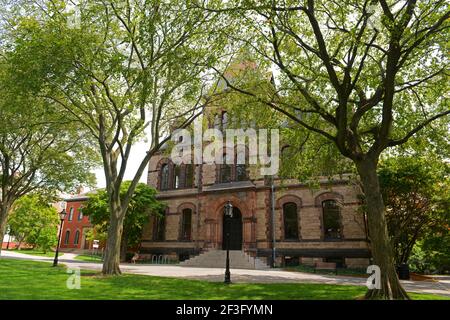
column 112, row 251
column 4, row 211
column 123, row 248
column 381, row 247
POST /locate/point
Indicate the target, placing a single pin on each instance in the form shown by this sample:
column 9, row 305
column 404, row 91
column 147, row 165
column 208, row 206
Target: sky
column 136, row 156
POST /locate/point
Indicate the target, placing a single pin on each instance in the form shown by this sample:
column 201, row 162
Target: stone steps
column 217, row 259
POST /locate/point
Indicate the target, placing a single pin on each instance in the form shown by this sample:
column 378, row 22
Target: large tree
column 124, row 70
column 39, row 150
column 364, row 75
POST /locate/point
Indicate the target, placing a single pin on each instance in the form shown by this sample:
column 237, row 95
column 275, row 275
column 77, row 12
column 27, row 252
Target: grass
column 39, row 280
column 36, row 252
column 89, row 258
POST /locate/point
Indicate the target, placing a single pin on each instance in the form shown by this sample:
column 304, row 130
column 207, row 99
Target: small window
column 226, row 171
column 66, row 238
column 331, row 220
column 290, row 221
column 189, row 176
column 241, row 172
column 77, row 237
column 80, row 214
column 165, row 177
column 159, row 227
column 177, row 177
column 186, row 225
column 70, row 214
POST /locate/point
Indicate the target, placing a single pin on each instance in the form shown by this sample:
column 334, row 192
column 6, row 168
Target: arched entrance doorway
column 234, row 225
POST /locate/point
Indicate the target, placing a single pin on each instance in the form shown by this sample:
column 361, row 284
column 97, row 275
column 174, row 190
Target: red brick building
column 75, row 225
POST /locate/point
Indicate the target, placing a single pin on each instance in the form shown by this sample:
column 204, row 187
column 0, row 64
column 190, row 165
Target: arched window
column 186, row 224
column 290, row 221
column 70, row 214
column 66, row 238
column 76, row 240
column 165, row 177
column 80, row 214
column 331, row 220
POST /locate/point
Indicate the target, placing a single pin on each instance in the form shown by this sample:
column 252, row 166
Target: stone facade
column 253, row 198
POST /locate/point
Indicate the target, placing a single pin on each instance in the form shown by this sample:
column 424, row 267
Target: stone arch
column 328, row 195
column 236, row 202
column 248, row 220
column 187, row 205
column 288, row 198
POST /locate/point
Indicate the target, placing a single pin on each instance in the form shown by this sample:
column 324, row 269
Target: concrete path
column 440, row 285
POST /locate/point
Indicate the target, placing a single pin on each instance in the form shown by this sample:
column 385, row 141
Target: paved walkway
column 441, row 285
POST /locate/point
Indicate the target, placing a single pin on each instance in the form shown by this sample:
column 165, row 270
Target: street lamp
column 62, row 216
column 228, row 208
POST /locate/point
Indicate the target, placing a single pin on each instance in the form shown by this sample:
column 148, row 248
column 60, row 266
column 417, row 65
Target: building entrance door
column 233, row 226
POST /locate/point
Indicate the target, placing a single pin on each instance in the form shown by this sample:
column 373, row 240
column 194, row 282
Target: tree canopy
column 35, row 222
column 124, row 70
column 416, row 193
column 365, row 76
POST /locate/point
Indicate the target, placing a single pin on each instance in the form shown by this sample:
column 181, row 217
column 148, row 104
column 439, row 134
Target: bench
column 325, row 266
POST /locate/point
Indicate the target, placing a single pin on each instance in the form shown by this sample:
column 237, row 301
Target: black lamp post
column 62, row 216
column 229, row 214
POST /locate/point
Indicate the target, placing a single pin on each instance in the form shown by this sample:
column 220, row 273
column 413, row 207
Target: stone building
column 300, row 226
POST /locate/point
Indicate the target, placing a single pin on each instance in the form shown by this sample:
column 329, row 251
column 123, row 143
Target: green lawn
column 90, row 258
column 36, row 252
column 39, row 280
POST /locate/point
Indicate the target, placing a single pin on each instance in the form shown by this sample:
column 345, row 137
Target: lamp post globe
column 228, row 208
column 62, row 217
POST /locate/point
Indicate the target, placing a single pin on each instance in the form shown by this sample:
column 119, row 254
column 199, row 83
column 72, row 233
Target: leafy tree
column 142, row 205
column 130, row 68
column 365, row 76
column 432, row 254
column 40, row 151
column 416, row 194
column 35, row 222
